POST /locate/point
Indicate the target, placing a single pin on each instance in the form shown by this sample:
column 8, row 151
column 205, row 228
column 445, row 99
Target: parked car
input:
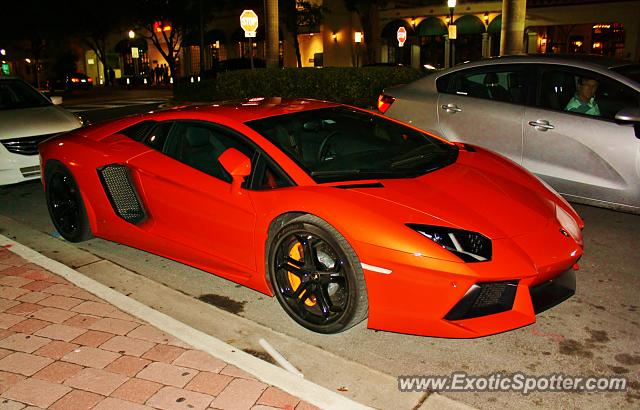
column 524, row 108
column 339, row 212
column 71, row 81
column 26, row 118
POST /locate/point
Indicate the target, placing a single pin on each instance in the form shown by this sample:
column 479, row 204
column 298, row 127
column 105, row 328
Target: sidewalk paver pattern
column 63, row 348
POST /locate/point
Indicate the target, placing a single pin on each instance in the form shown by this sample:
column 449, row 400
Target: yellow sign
column 453, row 32
column 249, row 23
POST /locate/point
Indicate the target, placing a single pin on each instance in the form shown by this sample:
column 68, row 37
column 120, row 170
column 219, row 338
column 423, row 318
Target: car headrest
column 491, row 79
column 197, row 136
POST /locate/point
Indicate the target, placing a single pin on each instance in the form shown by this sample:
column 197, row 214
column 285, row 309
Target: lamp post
column 358, row 39
column 452, row 34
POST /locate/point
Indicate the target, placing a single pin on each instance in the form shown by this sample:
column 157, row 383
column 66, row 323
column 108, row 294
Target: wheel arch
column 276, row 223
column 91, row 215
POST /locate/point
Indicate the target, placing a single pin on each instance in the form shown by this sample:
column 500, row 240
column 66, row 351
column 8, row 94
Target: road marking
column 266, row 372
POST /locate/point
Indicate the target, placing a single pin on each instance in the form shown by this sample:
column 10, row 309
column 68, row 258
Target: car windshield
column 18, row 94
column 342, row 144
column 631, row 71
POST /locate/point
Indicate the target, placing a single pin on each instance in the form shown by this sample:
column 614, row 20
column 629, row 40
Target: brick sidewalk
column 63, row 348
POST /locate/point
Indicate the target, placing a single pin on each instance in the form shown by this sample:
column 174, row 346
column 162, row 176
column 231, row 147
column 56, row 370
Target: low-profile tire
column 326, row 292
column 65, row 204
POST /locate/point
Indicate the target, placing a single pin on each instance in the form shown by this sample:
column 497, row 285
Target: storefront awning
column 495, row 26
column 390, row 31
column 432, row 26
column 469, row 24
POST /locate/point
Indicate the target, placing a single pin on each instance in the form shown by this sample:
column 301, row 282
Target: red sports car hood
column 470, row 198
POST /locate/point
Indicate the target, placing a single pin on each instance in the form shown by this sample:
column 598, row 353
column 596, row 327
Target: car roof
column 257, row 108
column 583, row 60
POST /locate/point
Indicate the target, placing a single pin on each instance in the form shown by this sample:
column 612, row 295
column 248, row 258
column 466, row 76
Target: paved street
column 593, row 333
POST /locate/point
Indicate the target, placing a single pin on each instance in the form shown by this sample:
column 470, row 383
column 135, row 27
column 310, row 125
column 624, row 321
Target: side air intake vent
column 121, row 193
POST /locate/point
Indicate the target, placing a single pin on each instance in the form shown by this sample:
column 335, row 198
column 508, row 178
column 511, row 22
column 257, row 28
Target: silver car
column 26, row 118
column 572, row 120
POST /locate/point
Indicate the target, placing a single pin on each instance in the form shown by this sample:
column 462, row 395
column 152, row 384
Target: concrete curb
column 266, row 372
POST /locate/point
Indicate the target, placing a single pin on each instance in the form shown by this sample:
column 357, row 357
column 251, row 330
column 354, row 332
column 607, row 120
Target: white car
column 27, row 118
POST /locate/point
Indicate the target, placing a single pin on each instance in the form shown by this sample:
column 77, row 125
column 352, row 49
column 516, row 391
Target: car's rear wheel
column 316, row 276
column 65, row 204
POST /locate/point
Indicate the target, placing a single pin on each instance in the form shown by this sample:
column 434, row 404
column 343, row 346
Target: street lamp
column 358, row 39
column 452, row 34
column 132, row 34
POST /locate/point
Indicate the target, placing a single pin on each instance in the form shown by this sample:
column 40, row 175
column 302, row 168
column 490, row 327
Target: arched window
column 431, row 33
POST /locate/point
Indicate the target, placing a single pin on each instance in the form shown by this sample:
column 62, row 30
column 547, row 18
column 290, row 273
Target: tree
column 273, row 31
column 165, row 22
column 369, row 14
column 28, row 27
column 301, row 15
column 95, row 26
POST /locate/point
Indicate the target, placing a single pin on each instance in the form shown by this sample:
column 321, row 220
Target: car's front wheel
column 316, row 276
column 65, row 204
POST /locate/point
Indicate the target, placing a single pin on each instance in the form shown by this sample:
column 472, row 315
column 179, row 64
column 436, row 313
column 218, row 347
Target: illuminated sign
column 249, row 23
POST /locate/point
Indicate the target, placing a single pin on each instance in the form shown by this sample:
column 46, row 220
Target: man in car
column 584, row 99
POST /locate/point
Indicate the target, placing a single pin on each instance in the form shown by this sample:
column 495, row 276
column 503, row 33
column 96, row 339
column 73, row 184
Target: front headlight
column 569, row 224
column 467, row 245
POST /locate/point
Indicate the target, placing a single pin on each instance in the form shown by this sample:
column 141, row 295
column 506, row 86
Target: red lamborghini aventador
column 338, row 212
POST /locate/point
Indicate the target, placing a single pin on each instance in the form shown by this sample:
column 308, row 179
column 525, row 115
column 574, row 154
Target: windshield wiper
column 416, row 158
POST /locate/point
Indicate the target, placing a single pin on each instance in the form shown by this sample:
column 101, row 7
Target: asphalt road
column 595, row 333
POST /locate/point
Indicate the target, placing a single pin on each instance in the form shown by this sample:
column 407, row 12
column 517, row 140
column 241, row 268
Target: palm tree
column 273, row 49
column 369, row 14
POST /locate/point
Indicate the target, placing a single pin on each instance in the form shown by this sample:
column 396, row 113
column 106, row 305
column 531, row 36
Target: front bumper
column 419, row 293
column 552, row 292
column 16, row 168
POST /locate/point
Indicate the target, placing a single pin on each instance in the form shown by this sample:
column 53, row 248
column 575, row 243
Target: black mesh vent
column 490, row 294
column 121, row 193
column 484, row 298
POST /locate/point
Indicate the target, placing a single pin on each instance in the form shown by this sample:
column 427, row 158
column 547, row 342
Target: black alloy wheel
column 316, row 276
column 65, row 204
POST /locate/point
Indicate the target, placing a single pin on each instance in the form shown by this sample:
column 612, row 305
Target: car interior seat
column 6, row 99
column 200, row 149
column 558, row 87
column 518, row 86
column 496, row 91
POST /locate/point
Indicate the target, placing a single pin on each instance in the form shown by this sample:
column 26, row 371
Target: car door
column 589, row 155
column 189, row 197
column 485, row 106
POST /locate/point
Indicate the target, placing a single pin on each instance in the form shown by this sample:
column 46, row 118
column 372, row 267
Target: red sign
column 402, row 36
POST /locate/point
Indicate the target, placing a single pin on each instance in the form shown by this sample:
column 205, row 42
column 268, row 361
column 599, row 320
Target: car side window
column 584, row 93
column 267, row 175
column 139, row 131
column 199, row 145
column 156, row 137
column 505, row 84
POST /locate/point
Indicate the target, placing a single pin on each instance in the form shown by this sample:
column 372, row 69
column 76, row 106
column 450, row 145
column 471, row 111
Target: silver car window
column 502, row 83
column 582, row 92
